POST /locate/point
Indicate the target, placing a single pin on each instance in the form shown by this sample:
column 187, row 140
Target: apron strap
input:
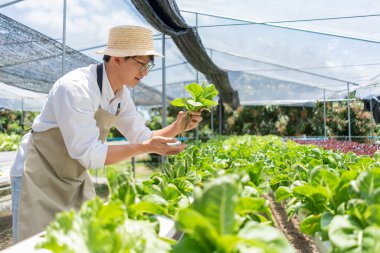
column 118, row 109
column 99, row 76
column 99, row 79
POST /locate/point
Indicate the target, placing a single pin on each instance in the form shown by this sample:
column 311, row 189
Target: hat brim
column 125, row 53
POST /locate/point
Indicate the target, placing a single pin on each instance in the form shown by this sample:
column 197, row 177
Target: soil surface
column 6, row 239
column 5, row 229
column 290, row 228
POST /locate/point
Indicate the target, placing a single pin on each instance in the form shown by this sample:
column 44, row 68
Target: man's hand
column 194, row 122
column 159, row 145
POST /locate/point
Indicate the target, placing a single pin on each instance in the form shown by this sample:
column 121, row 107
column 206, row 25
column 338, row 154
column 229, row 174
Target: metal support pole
column 324, row 113
column 349, row 111
column 133, row 158
column 220, row 116
column 163, row 83
column 163, row 158
column 64, row 38
column 197, row 129
column 134, row 167
column 212, row 122
column 22, row 116
column 370, row 105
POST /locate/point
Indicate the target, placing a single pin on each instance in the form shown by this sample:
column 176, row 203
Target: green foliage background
column 285, row 120
column 296, row 121
column 256, row 120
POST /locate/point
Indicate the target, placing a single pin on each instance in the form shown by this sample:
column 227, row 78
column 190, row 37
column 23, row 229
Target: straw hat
column 126, row 40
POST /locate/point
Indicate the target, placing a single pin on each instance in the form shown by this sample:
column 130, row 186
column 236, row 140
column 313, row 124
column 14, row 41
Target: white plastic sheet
column 13, row 98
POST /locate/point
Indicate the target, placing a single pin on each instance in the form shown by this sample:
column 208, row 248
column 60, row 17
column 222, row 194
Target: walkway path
column 6, row 160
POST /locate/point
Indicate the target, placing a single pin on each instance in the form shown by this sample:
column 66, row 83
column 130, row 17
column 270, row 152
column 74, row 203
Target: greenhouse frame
column 230, row 193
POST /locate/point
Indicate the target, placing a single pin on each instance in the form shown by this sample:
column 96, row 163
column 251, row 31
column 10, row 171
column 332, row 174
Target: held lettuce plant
column 202, row 98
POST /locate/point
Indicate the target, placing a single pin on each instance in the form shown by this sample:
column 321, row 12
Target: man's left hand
column 195, row 119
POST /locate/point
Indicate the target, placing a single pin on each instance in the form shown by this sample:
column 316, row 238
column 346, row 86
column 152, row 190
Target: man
column 68, row 136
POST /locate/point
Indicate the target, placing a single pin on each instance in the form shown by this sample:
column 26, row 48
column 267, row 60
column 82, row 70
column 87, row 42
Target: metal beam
column 285, row 27
column 10, row 3
column 89, row 48
column 170, row 66
column 284, row 67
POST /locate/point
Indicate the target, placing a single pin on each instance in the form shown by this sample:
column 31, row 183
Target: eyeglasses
column 145, row 66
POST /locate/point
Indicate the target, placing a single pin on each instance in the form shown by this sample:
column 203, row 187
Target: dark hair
column 106, row 58
column 151, row 58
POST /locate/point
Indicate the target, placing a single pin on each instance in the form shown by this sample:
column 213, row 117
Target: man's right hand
column 159, row 145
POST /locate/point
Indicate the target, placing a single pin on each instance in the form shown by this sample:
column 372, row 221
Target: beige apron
column 52, row 181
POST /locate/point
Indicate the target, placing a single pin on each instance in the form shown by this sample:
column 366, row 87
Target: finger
column 180, row 147
column 170, row 140
column 173, row 153
column 195, row 114
column 163, row 139
column 176, row 149
column 181, row 114
column 196, row 119
column 173, row 143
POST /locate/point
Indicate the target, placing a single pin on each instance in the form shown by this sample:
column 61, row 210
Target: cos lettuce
column 202, row 98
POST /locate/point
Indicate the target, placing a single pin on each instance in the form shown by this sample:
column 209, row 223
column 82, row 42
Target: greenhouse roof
column 31, row 62
column 256, row 52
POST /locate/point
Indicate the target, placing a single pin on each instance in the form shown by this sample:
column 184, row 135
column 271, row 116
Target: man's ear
column 117, row 60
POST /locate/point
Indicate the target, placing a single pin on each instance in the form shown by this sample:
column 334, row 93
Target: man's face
column 133, row 70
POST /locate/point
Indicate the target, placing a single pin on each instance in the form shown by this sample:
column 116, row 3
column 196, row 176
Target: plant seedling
column 202, row 98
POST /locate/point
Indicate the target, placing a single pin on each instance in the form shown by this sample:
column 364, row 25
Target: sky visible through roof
column 295, row 43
